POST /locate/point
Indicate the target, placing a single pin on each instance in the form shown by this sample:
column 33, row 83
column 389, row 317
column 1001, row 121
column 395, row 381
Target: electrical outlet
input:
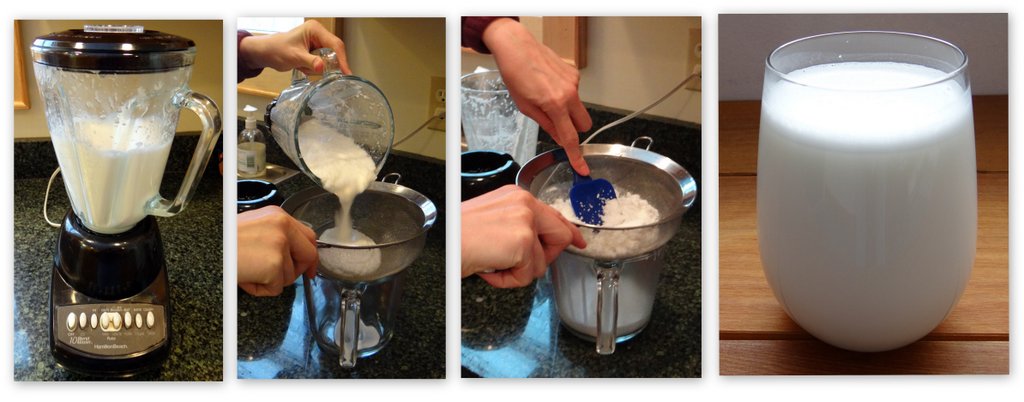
column 436, row 105
column 693, row 59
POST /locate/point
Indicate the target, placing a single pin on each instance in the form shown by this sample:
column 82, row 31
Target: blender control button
column 71, row 321
column 105, row 321
column 127, row 320
column 150, row 319
column 81, row 320
column 115, row 321
column 138, row 320
column 92, row 321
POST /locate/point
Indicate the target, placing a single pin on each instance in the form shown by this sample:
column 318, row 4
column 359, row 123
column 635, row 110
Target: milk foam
column 865, row 105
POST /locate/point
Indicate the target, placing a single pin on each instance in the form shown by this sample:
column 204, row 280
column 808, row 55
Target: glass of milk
column 866, row 185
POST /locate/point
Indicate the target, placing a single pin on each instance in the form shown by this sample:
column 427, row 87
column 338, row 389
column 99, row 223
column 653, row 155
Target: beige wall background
column 632, row 61
column 746, row 40
column 206, row 73
column 399, row 55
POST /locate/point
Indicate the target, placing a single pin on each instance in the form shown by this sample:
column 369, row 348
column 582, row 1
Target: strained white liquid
column 866, row 197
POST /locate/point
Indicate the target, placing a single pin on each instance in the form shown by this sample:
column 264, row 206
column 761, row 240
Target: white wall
column 745, row 41
column 632, row 61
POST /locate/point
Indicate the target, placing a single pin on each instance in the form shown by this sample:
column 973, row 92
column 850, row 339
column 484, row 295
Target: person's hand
column 510, row 232
column 544, row 87
column 291, row 50
column 273, row 250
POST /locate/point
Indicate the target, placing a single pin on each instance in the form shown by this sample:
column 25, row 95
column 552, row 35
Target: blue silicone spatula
column 588, row 197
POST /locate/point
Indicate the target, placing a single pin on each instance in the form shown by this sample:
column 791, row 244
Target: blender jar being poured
column 314, row 121
column 112, row 95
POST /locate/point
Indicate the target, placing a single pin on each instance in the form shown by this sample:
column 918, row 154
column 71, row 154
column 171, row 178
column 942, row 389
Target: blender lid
column 113, row 48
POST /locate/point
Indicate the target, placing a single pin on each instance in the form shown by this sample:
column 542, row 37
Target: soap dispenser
column 252, row 147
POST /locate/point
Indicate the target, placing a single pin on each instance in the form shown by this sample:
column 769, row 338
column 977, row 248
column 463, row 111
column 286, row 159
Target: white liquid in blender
column 111, row 172
column 345, row 170
column 866, row 200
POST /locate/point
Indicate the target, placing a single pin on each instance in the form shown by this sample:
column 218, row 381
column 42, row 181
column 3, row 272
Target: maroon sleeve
column 473, row 32
column 245, row 72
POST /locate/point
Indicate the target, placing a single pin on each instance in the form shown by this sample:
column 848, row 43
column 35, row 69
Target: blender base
column 122, row 350
column 110, row 304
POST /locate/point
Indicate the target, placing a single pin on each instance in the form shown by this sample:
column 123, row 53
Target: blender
column 605, row 292
column 343, row 105
column 112, row 95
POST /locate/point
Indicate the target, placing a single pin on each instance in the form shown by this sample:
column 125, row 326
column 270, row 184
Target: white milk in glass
column 866, row 197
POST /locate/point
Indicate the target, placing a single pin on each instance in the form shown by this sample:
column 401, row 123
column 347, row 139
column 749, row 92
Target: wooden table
column 757, row 337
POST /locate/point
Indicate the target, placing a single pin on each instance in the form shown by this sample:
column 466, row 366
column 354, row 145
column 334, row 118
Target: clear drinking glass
column 491, row 120
column 866, row 185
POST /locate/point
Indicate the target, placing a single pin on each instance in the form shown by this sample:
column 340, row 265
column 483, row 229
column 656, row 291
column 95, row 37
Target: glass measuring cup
column 351, row 310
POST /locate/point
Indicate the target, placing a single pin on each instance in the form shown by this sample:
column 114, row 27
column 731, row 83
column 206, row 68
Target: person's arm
column 473, row 32
column 273, row 250
column 510, row 232
column 542, row 85
column 245, row 71
column 290, row 50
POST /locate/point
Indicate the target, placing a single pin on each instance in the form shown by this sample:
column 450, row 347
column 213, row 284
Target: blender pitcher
column 352, row 302
column 492, row 121
column 112, row 95
column 310, row 119
column 606, row 291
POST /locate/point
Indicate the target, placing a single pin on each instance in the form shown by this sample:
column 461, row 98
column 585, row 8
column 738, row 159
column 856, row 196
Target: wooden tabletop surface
column 756, row 335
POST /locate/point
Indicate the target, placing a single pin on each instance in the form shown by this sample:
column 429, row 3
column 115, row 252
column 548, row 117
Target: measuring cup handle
column 307, row 291
column 607, row 308
column 349, row 328
column 209, row 115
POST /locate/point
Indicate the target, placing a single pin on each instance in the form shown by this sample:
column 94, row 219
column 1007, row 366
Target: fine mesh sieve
column 668, row 187
column 395, row 217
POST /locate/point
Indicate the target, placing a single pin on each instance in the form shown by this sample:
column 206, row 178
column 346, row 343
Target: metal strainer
column 395, row 217
column 621, row 260
column 352, row 309
column 668, row 187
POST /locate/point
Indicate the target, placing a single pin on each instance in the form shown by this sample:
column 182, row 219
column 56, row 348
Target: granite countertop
column 195, row 268
column 273, row 334
column 516, row 332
